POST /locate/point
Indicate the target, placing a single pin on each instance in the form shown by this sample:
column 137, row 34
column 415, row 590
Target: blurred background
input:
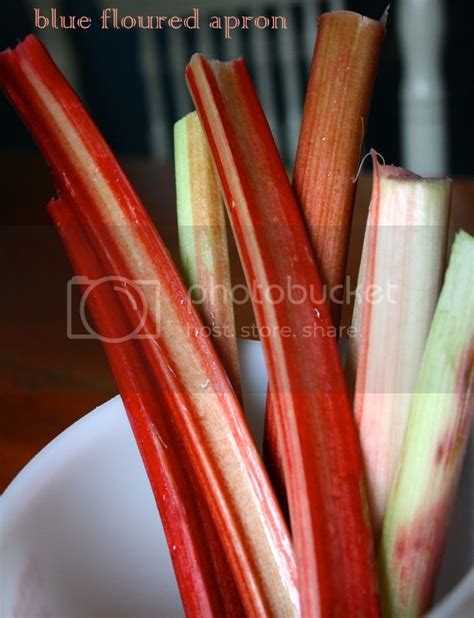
column 132, row 80
column 132, row 83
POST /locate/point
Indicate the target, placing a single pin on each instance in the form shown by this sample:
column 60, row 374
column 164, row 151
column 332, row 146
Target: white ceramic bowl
column 81, row 536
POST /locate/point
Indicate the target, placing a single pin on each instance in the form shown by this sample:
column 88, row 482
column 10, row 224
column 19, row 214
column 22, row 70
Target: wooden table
column 47, row 381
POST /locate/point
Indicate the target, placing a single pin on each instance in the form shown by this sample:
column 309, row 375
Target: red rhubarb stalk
column 321, row 455
column 198, row 558
column 338, row 95
column 335, row 114
column 199, row 399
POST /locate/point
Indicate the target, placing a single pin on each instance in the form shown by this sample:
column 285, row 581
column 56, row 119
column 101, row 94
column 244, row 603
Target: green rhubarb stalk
column 399, row 283
column 203, row 239
column 435, row 443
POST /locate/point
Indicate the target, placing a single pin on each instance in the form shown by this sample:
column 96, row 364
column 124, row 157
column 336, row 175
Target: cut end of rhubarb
column 213, row 63
column 384, row 18
column 400, row 173
column 350, row 16
column 29, row 40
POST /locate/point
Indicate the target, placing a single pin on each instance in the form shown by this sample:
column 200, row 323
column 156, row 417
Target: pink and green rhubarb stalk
column 435, row 444
column 399, row 282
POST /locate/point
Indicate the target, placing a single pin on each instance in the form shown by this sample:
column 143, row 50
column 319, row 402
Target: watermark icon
column 139, row 302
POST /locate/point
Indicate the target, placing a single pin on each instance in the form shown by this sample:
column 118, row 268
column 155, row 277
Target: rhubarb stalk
column 195, row 388
column 197, row 554
column 321, row 454
column 399, row 282
column 437, row 434
column 338, row 95
column 337, row 102
column 203, row 239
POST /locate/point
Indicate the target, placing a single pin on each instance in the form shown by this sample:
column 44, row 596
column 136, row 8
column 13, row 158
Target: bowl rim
column 33, row 477
column 37, row 473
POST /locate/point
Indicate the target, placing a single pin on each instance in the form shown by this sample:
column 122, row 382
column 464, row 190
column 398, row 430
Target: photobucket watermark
column 253, row 331
column 295, row 293
column 134, row 307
